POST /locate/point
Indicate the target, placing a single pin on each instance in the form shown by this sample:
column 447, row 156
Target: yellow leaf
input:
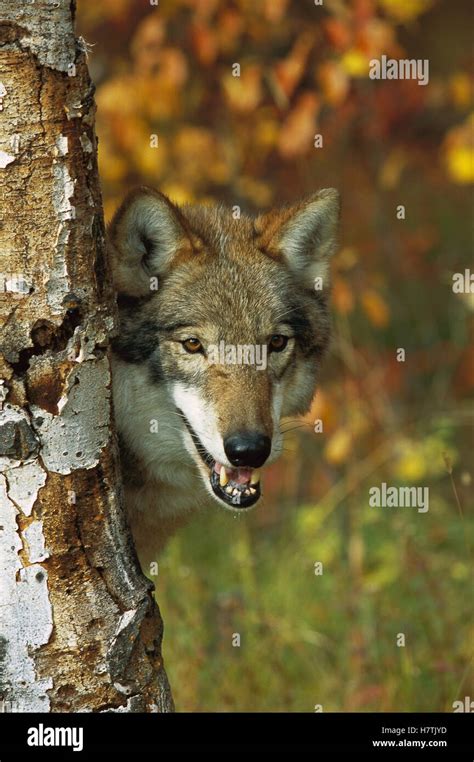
column 334, row 82
column 392, row 168
column 415, row 460
column 297, row 132
column 243, row 93
column 411, row 465
column 150, row 162
column 347, row 258
column 460, row 160
column 461, row 89
column 342, row 296
column 266, row 133
column 405, row 10
column 355, row 63
column 459, row 152
column 338, row 447
column 375, row 308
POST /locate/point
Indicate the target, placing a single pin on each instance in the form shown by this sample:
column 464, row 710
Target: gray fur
column 233, row 280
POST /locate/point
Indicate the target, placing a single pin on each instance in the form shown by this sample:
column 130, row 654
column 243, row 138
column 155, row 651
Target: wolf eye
column 277, row 343
column 192, row 345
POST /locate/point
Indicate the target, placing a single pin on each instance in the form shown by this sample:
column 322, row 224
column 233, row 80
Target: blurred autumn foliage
column 172, row 114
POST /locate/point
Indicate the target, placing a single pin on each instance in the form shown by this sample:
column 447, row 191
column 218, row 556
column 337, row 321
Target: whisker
column 290, row 311
column 294, row 428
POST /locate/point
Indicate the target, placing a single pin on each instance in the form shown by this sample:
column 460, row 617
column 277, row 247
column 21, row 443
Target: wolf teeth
column 223, row 478
column 255, row 478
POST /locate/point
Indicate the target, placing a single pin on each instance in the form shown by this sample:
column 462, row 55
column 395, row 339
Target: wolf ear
column 145, row 234
column 304, row 235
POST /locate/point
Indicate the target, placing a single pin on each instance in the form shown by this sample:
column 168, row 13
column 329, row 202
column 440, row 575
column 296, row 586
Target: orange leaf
column 375, row 308
column 297, row 133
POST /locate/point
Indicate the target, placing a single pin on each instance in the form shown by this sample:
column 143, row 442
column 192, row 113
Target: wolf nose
column 248, row 449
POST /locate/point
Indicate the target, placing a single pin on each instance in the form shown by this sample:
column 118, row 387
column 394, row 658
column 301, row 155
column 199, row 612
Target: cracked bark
column 79, row 629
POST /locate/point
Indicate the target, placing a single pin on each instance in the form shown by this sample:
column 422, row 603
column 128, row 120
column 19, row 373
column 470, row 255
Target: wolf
column 194, row 432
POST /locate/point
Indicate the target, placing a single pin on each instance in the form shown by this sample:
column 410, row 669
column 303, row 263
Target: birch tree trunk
column 79, row 630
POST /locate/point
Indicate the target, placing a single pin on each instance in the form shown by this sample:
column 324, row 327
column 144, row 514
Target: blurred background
column 306, row 638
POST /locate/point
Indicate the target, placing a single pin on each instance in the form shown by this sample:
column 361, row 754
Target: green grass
column 328, row 639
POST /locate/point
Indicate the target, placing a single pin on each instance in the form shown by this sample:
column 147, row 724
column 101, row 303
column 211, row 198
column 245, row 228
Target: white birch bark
column 79, row 630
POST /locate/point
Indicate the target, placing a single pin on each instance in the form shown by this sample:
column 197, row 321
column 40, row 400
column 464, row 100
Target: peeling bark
column 79, row 630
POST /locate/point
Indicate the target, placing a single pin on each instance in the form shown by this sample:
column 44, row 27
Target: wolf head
column 229, row 315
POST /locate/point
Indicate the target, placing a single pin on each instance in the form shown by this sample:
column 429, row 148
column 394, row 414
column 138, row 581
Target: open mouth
column 236, row 487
